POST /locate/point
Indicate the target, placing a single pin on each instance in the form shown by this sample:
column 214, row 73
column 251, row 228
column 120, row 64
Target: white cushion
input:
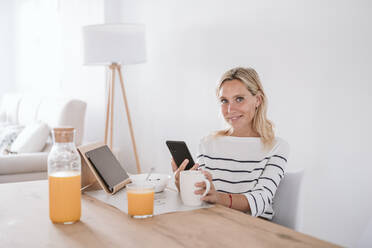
column 7, row 136
column 31, row 139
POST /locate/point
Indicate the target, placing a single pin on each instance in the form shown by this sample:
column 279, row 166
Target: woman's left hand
column 212, row 195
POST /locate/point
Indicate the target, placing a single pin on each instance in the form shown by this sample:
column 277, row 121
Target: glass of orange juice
column 140, row 200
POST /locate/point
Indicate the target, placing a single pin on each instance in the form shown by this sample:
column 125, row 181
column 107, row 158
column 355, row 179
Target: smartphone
column 180, row 152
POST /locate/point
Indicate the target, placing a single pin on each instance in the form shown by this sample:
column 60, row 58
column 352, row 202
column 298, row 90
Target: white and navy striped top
column 240, row 165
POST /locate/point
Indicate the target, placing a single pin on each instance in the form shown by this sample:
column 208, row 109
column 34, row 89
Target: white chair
column 365, row 240
column 287, row 199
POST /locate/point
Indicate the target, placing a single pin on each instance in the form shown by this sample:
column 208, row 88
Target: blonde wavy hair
column 251, row 80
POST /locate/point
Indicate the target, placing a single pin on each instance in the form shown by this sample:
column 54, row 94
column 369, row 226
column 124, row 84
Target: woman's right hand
column 177, row 170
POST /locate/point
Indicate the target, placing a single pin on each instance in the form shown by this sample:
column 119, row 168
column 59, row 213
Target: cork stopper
column 63, row 134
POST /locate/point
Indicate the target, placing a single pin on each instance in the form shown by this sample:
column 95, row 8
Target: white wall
column 84, row 82
column 314, row 58
column 6, row 46
column 41, row 52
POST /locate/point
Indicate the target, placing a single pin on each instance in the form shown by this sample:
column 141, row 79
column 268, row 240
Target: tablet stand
column 90, row 180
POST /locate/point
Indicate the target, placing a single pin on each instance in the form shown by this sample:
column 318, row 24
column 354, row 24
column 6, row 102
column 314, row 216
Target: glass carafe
column 64, row 170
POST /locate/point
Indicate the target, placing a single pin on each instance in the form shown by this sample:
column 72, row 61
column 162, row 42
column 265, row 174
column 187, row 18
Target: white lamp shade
column 114, row 43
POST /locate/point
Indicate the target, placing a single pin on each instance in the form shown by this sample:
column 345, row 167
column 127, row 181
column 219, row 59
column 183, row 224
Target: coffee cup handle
column 208, row 187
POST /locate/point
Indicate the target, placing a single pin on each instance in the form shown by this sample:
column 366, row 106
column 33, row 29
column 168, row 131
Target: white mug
column 187, row 186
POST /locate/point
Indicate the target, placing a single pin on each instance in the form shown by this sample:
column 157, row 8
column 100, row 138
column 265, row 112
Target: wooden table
column 24, row 222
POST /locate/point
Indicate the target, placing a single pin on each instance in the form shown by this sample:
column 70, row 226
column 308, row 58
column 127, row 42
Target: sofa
column 33, row 117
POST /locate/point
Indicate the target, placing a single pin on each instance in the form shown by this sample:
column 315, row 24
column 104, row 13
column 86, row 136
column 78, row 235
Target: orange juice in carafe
column 64, row 169
column 64, row 196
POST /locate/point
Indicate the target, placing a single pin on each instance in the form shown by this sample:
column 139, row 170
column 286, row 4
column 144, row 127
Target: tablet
column 107, row 166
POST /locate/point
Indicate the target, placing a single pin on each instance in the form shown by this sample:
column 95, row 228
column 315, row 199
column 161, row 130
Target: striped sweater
column 240, row 165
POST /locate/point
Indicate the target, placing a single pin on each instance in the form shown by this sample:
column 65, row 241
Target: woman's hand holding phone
column 177, row 170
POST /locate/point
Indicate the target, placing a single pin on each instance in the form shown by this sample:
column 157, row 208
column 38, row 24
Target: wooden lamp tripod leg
column 108, row 106
column 112, row 106
column 129, row 119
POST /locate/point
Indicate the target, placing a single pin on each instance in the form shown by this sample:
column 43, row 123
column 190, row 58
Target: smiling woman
column 246, row 162
column 248, row 102
column 239, row 107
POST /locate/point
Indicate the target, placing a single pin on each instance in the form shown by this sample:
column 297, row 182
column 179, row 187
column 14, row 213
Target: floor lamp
column 114, row 45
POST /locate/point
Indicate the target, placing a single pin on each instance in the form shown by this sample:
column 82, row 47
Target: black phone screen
column 107, row 166
column 180, row 152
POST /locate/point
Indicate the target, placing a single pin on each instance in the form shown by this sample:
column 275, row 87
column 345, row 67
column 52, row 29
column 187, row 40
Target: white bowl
column 160, row 181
